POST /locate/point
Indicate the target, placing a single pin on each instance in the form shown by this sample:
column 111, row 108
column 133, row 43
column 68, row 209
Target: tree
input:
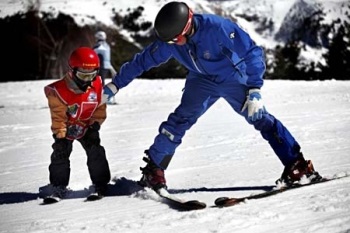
column 285, row 63
column 338, row 56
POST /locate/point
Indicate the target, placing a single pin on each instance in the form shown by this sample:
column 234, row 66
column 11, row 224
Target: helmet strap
column 192, row 31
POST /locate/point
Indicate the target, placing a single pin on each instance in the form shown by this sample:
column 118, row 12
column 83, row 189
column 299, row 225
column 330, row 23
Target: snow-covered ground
column 221, row 155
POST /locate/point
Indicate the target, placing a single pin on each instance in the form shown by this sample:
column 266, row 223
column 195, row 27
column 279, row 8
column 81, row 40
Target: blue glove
column 254, row 104
column 109, row 90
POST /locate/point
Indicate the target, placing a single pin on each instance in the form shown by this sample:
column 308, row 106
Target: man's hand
column 109, row 90
column 254, row 104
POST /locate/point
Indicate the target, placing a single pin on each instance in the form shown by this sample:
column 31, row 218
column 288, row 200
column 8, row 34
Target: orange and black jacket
column 72, row 110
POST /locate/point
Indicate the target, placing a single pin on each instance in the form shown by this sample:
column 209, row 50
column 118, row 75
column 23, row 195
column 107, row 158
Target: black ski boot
column 101, row 190
column 56, row 194
column 59, row 191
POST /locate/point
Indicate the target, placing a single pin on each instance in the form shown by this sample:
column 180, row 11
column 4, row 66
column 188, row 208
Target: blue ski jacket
column 218, row 50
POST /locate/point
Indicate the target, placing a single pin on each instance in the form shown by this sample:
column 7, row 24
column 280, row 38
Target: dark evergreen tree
column 337, row 59
column 286, row 61
column 131, row 22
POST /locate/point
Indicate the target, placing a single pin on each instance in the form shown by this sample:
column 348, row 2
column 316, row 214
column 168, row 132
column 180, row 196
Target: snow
column 220, row 156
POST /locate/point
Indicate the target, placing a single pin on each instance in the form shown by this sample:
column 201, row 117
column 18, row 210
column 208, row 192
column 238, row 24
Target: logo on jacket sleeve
column 232, row 35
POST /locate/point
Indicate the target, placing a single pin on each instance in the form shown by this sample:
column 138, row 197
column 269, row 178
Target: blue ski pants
column 198, row 96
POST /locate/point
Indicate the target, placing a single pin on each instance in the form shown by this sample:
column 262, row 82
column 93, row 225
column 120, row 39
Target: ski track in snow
column 220, row 156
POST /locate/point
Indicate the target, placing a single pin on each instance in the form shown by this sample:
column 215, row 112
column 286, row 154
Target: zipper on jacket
column 193, row 58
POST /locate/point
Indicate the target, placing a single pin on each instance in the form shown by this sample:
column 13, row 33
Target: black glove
column 92, row 136
column 61, row 147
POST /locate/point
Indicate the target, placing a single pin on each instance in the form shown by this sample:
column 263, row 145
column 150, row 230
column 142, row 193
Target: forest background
column 36, row 44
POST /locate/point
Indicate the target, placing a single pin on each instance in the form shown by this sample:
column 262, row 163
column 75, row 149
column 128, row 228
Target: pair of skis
column 185, row 205
column 54, row 199
column 180, row 204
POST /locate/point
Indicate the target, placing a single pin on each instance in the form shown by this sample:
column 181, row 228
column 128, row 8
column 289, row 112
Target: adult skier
column 103, row 51
column 223, row 62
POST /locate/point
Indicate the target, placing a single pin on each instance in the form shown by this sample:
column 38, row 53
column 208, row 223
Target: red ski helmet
column 84, row 63
column 84, row 58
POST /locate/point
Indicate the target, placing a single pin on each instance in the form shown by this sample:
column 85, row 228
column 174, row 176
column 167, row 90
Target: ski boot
column 297, row 170
column 98, row 192
column 101, row 190
column 152, row 175
column 59, row 191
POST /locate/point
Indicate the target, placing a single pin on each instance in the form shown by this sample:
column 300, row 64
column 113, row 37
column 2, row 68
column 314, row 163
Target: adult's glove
column 254, row 104
column 109, row 90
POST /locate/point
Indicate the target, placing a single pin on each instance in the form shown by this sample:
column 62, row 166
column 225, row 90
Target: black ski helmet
column 171, row 20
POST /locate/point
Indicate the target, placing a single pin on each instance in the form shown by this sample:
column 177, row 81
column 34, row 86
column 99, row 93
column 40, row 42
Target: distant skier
column 103, row 51
column 77, row 112
column 223, row 62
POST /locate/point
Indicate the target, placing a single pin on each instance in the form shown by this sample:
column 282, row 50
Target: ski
column 51, row 200
column 94, row 197
column 231, row 201
column 179, row 204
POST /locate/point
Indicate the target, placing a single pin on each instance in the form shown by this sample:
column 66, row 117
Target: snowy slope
column 220, row 155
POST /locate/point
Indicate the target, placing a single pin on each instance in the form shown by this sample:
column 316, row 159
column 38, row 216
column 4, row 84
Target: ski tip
column 226, row 201
column 50, row 200
column 195, row 205
column 94, row 197
column 219, row 201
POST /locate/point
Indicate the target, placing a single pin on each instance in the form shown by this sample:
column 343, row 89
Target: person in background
column 223, row 62
column 103, row 51
column 77, row 112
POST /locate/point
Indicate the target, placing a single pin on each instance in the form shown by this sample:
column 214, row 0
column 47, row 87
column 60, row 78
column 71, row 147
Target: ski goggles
column 86, row 76
column 179, row 38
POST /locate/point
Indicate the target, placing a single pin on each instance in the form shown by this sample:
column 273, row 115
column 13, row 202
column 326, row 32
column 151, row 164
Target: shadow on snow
column 120, row 187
